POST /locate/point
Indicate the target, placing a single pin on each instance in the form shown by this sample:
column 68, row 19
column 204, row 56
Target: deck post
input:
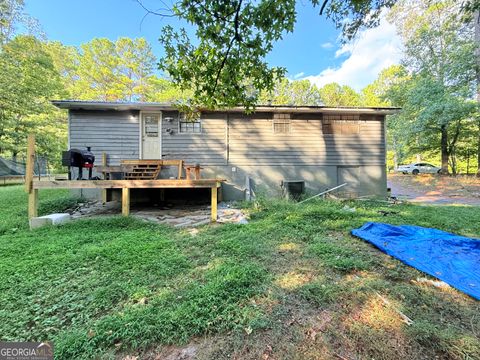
column 214, row 203
column 33, row 203
column 32, row 193
column 104, row 191
column 126, row 201
column 180, row 169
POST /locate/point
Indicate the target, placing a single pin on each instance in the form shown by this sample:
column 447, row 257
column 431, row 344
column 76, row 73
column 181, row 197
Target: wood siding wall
column 207, row 148
column 113, row 132
column 233, row 139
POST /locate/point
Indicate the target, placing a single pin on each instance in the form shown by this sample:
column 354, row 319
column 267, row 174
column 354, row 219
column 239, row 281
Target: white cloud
column 327, row 45
column 372, row 51
column 299, row 75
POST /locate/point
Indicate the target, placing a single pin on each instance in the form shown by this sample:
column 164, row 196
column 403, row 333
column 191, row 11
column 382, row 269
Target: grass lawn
column 292, row 284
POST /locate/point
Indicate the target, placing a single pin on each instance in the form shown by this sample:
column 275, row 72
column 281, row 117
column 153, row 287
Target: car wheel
column 415, row 172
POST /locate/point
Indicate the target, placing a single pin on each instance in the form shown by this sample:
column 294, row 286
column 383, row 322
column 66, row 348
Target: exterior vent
column 293, row 189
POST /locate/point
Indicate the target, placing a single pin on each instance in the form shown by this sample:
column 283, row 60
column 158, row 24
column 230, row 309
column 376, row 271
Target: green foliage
column 28, row 81
column 334, row 94
column 294, row 93
column 225, row 61
column 434, row 87
column 13, row 16
column 228, row 64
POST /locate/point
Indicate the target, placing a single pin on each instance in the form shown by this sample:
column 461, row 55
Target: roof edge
column 152, row 106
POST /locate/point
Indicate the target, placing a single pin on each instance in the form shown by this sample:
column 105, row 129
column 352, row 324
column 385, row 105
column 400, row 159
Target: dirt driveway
column 436, row 189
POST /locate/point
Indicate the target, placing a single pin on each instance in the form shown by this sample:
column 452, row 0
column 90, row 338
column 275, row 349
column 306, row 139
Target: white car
column 418, row 168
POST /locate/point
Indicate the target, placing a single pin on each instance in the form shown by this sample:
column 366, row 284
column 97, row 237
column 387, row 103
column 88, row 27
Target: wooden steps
column 142, row 169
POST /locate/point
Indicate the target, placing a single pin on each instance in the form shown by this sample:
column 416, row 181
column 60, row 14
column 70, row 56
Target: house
column 265, row 150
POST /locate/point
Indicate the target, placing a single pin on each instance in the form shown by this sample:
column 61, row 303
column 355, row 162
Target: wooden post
column 30, row 163
column 214, row 203
column 126, row 201
column 32, row 193
column 180, row 168
column 33, row 203
column 197, row 171
column 104, row 191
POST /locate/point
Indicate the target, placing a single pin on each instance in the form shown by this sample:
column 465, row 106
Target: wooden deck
column 126, row 185
column 32, row 186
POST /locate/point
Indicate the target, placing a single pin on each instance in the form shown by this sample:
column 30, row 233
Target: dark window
column 281, row 126
column 341, row 124
column 190, row 126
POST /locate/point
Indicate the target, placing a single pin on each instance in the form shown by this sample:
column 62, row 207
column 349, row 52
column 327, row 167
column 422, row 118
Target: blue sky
column 312, row 51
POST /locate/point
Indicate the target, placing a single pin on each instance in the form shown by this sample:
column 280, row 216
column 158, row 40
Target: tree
column 439, row 52
column 135, row 67
column 28, row 81
column 225, row 62
column 11, row 16
column 295, row 93
column 97, row 73
column 110, row 71
column 334, row 94
column 163, row 90
column 375, row 94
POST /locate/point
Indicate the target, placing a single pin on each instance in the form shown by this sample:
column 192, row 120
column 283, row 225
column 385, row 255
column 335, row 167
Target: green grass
column 107, row 287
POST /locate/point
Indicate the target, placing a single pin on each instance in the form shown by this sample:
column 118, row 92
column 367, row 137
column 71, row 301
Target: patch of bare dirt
column 436, row 189
column 179, row 216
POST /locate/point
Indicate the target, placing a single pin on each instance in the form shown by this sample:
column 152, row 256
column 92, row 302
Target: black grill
column 79, row 159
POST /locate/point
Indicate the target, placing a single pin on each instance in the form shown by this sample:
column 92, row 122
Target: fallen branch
column 323, row 193
column 404, row 317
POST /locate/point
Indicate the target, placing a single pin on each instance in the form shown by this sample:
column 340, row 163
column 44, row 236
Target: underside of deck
column 126, row 185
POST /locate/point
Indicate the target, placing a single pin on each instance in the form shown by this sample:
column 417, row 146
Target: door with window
column 151, row 136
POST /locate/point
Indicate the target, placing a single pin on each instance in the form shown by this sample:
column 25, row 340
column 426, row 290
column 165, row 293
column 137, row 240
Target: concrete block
column 52, row 219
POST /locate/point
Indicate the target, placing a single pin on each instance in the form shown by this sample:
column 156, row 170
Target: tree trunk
column 395, row 154
column 477, row 40
column 444, row 149
column 453, row 162
column 468, row 161
column 478, row 150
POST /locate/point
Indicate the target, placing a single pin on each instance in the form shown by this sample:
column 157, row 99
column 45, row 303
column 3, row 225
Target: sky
column 313, row 51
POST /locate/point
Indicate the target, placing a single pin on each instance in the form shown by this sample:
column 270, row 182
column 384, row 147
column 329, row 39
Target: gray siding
column 232, row 139
column 113, row 132
column 251, row 140
column 207, row 148
column 233, row 146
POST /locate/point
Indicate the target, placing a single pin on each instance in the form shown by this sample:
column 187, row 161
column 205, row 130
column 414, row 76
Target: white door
column 151, row 136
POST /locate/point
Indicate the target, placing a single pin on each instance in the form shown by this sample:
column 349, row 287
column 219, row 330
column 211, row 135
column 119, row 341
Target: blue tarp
column 451, row 258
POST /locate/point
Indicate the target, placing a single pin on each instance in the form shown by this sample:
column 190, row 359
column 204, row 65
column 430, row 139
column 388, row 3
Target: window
column 150, row 125
column 190, row 126
column 281, row 123
column 341, row 124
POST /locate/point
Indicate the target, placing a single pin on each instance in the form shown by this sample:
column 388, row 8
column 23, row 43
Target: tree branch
column 151, row 12
column 323, row 6
column 236, row 36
